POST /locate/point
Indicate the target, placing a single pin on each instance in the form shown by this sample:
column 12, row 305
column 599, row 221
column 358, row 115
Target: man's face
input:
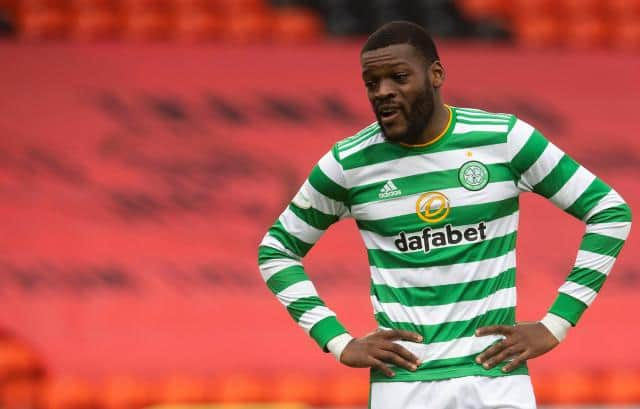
column 400, row 91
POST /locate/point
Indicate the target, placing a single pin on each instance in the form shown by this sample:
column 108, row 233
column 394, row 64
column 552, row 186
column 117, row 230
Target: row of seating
column 24, row 383
column 573, row 23
column 189, row 20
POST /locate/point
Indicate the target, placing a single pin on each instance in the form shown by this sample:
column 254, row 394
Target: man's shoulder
column 358, row 141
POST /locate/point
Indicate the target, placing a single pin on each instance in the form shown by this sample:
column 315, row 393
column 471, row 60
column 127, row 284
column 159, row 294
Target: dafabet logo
column 434, row 207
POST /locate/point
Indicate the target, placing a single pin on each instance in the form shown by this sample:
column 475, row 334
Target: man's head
column 402, row 73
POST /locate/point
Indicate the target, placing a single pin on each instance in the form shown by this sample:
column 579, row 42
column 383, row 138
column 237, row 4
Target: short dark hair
column 403, row 32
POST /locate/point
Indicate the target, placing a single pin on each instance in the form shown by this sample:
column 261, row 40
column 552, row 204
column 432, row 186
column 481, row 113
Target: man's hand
column 523, row 341
column 377, row 349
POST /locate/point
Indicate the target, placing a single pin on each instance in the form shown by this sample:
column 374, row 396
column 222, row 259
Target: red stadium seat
column 586, row 32
column 236, row 8
column 482, row 9
column 623, row 8
column 574, row 388
column 346, row 391
column 296, row 25
column 239, row 388
column 127, row 393
column 44, row 19
column 148, row 19
column 534, row 8
column 295, row 388
column 70, row 394
column 621, row 387
column 248, row 28
column 21, row 394
column 96, row 19
column 184, row 390
column 542, row 31
column 625, row 34
column 198, row 20
column 574, row 8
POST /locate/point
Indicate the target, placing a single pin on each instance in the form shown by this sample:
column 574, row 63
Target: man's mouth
column 388, row 113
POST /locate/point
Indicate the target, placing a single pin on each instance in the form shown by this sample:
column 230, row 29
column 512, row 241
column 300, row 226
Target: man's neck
column 438, row 124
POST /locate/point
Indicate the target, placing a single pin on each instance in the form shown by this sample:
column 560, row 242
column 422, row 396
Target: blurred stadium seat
column 70, row 393
column 128, row 393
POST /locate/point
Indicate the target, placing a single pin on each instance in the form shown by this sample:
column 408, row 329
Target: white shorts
column 469, row 392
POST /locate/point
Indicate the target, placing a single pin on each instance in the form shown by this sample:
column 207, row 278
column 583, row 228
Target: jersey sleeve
column 543, row 168
column 319, row 203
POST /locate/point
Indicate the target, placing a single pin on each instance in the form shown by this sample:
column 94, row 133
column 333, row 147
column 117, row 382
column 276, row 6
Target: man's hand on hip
column 522, row 341
column 378, row 349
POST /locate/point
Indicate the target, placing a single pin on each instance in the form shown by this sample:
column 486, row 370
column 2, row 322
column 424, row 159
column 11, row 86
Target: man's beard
column 417, row 119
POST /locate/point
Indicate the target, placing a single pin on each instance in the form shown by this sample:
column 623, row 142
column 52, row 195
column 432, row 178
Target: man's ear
column 436, row 74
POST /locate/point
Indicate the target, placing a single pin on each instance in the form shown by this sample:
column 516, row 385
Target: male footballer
column 434, row 191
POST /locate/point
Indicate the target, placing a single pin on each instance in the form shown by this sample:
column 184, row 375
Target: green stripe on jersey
column 601, row 244
column 266, row 253
column 301, row 305
column 325, row 330
column 620, row 213
column 588, row 199
column 587, row 277
column 288, row 240
column 458, row 216
column 529, row 153
column 557, row 178
column 323, row 184
column 410, row 185
column 444, row 294
column 463, row 253
column 314, row 217
column 383, row 152
column 452, row 330
column 446, row 369
column 285, row 278
column 567, row 307
column 360, row 137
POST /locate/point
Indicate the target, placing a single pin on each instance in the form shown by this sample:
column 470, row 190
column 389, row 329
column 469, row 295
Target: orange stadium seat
column 624, row 8
column 481, row 9
column 181, row 389
column 70, row 394
column 248, row 27
column 295, row 388
column 296, row 25
column 44, row 19
column 236, row 8
column 625, row 34
column 96, row 19
column 533, row 8
column 538, row 31
column 346, row 391
column 586, row 32
column 21, row 394
column 621, row 387
column 148, row 19
column 198, row 20
column 573, row 388
column 572, row 8
column 239, row 388
column 127, row 393
column 10, row 7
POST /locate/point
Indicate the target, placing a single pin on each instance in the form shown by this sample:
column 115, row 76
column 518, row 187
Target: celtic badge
column 473, row 175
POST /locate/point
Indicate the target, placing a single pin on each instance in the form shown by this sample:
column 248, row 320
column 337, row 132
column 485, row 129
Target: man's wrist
column 338, row 344
column 558, row 326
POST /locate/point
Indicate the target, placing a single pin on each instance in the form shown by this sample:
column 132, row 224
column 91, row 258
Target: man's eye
column 401, row 77
column 370, row 84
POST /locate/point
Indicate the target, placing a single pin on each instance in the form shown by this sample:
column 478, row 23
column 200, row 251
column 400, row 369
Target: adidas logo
column 389, row 190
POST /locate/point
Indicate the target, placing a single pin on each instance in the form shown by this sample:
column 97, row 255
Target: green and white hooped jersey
column 439, row 223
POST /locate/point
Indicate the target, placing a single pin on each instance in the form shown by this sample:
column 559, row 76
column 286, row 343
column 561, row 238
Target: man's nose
column 386, row 89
